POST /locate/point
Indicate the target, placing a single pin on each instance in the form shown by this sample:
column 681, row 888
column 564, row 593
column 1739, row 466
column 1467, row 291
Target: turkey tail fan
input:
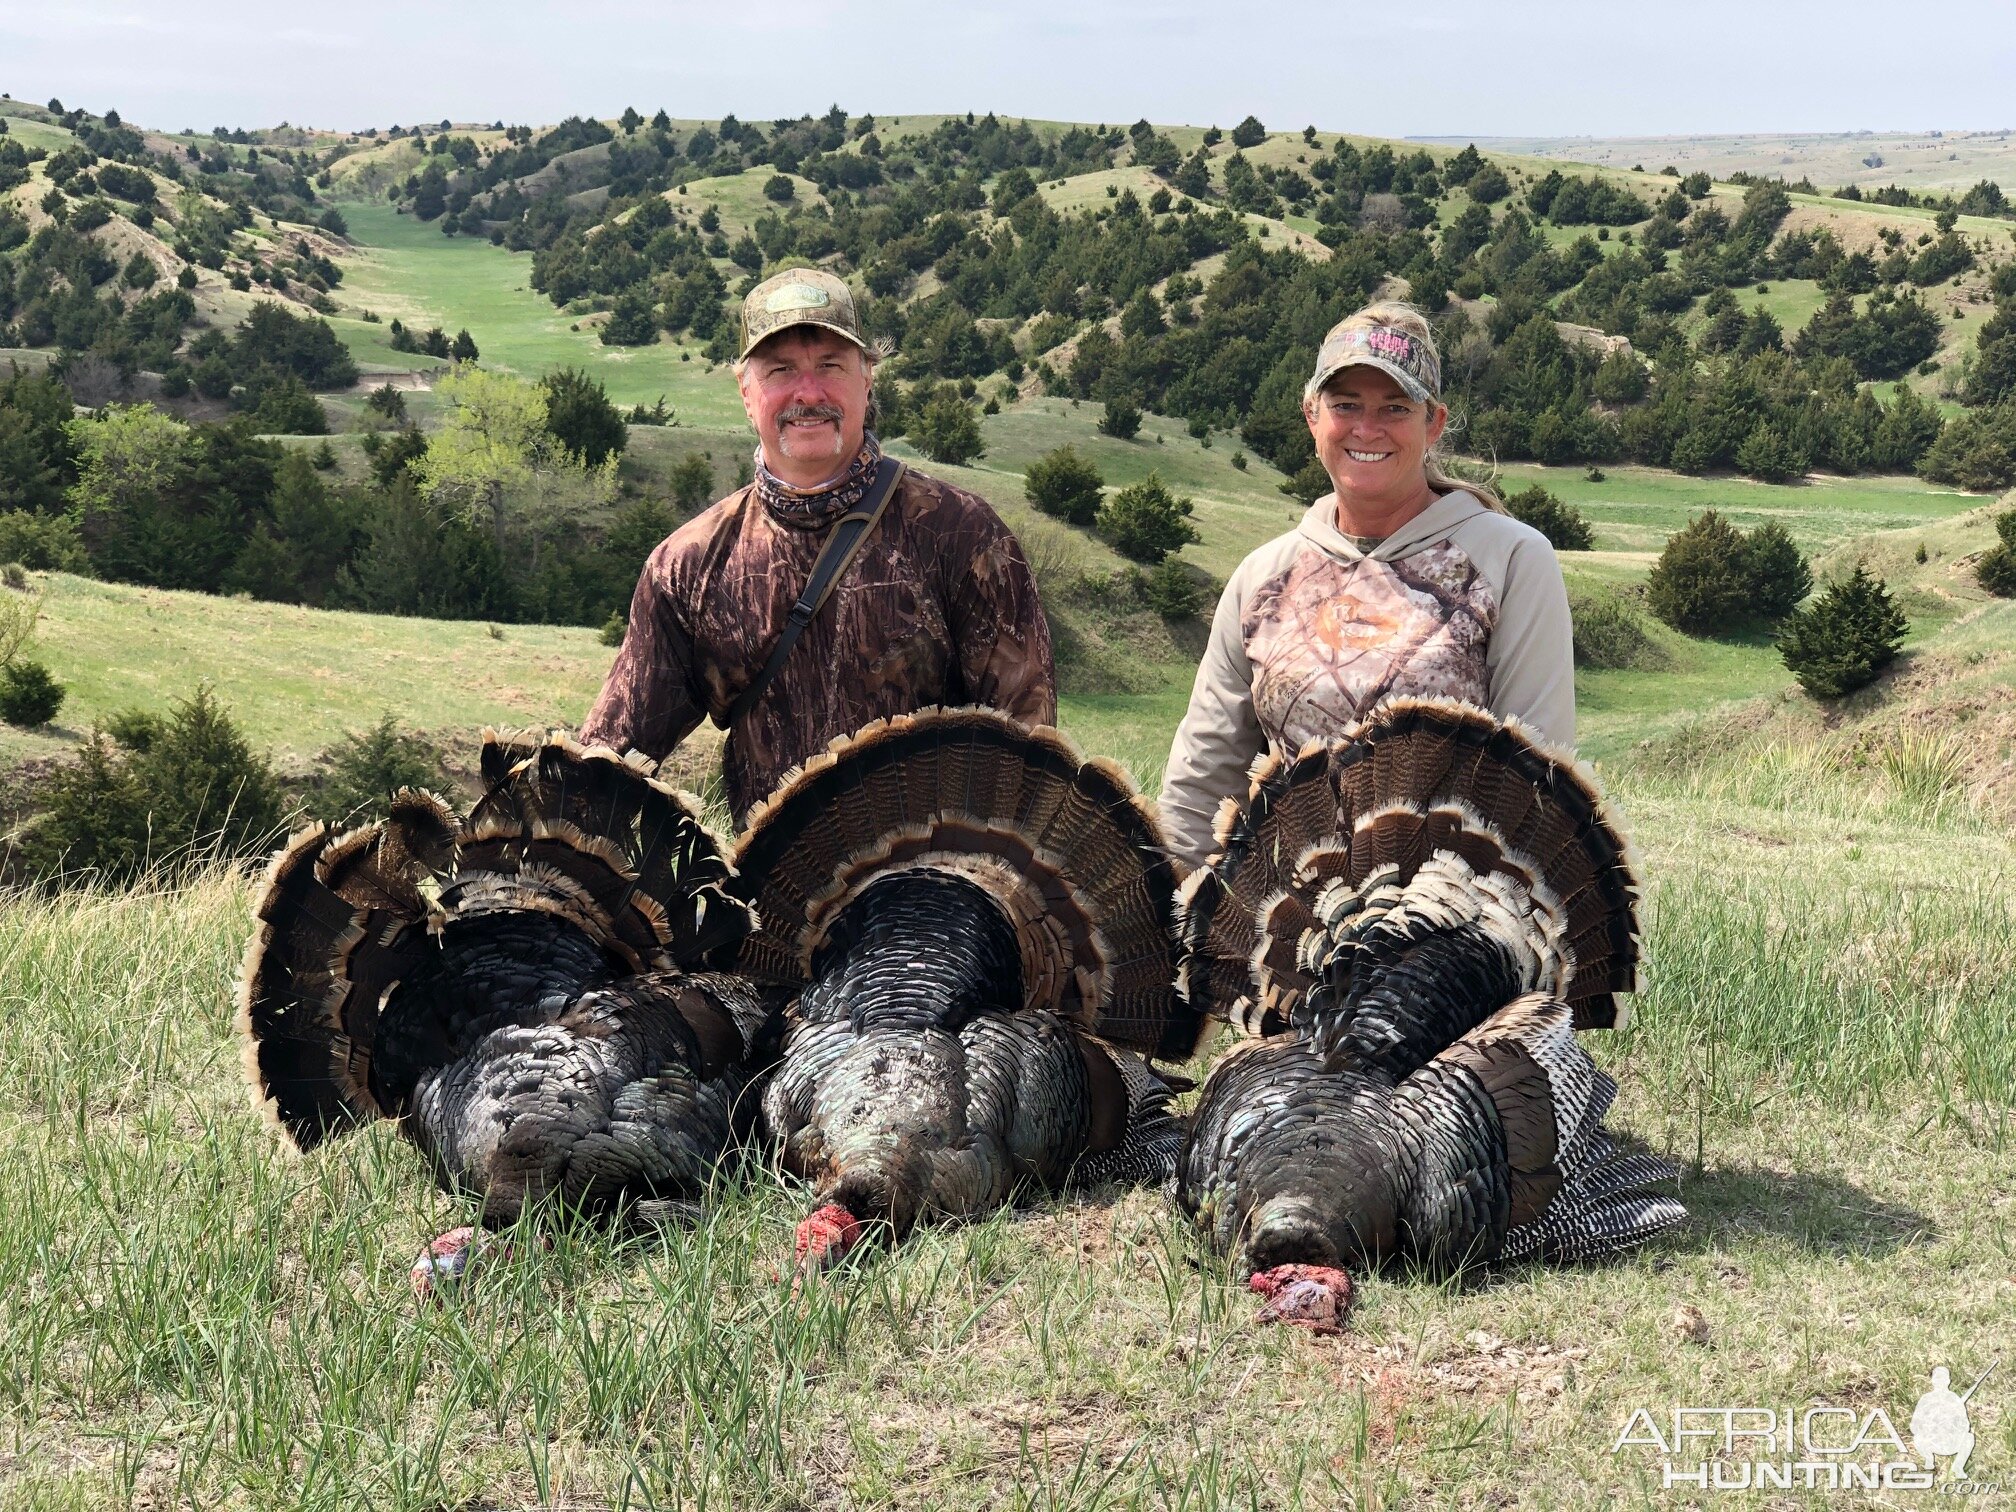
column 1413, row 779
column 656, row 876
column 1236, row 914
column 1543, row 809
column 292, row 994
column 1572, row 1196
column 343, row 918
column 1073, row 857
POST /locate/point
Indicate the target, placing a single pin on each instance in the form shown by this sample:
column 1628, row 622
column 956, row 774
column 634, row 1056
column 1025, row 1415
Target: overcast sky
column 1471, row 67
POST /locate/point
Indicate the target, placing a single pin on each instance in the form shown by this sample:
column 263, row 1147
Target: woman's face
column 1372, row 438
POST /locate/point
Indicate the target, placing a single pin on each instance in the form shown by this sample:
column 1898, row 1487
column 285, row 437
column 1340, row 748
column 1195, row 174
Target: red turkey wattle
column 826, row 1237
column 1315, row 1297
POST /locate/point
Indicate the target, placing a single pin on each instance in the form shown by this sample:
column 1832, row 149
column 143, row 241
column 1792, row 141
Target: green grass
column 1635, row 508
column 1826, row 1042
column 37, row 133
column 296, row 678
column 740, row 199
column 409, row 270
column 197, row 1318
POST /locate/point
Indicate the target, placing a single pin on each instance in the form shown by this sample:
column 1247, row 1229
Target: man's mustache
column 795, row 412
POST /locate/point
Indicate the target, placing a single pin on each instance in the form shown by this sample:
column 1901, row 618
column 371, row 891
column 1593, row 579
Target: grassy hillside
column 407, row 269
column 1917, row 160
column 1824, row 1045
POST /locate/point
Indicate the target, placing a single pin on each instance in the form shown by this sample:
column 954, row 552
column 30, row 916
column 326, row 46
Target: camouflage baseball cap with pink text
column 1409, row 361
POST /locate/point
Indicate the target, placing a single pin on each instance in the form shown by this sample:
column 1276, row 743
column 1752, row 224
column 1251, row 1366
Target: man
column 937, row 607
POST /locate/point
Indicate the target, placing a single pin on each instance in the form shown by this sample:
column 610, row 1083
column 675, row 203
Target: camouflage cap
column 1409, row 362
column 799, row 296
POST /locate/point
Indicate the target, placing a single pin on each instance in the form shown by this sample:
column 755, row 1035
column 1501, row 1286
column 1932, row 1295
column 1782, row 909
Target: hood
column 1319, row 524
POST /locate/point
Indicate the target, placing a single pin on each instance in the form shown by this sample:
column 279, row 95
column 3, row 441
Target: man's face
column 806, row 391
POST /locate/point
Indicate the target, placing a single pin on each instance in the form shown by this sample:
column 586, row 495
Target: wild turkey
column 978, row 928
column 516, row 987
column 1417, row 917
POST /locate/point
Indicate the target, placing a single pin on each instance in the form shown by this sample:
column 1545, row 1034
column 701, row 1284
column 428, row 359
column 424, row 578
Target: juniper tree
column 1845, row 639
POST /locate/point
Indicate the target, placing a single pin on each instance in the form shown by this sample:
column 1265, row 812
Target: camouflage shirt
column 1314, row 631
column 938, row 607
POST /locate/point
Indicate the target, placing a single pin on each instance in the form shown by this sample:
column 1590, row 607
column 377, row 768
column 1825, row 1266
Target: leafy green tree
column 1461, row 168
column 1995, row 569
column 581, row 417
column 387, row 403
column 1143, row 316
column 1120, row 419
column 947, row 430
column 1777, row 571
column 132, row 459
column 423, row 558
column 42, row 543
column 1908, row 428
column 197, row 792
column 1701, row 582
column 494, row 458
column 1564, row 525
column 313, row 533
column 29, row 695
column 692, row 482
column 363, row 770
column 1975, row 451
column 1307, row 483
column 1488, row 185
column 1845, row 639
column 1011, row 188
column 1620, row 378
column 1766, row 454
column 282, row 406
column 633, row 321
column 1172, row 590
column 1146, row 522
column 27, row 479
column 1064, row 485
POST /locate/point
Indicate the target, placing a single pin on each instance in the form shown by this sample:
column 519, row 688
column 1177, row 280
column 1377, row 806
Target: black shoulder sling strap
column 848, row 533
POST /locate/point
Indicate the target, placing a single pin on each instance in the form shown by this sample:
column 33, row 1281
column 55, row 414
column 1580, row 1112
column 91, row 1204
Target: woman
column 1401, row 582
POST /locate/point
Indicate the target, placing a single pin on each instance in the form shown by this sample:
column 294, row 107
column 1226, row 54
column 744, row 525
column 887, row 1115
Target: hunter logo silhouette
column 1939, row 1423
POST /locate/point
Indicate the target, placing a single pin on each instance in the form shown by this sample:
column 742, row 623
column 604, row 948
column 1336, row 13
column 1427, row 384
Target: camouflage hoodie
column 1460, row 602
column 938, row 607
